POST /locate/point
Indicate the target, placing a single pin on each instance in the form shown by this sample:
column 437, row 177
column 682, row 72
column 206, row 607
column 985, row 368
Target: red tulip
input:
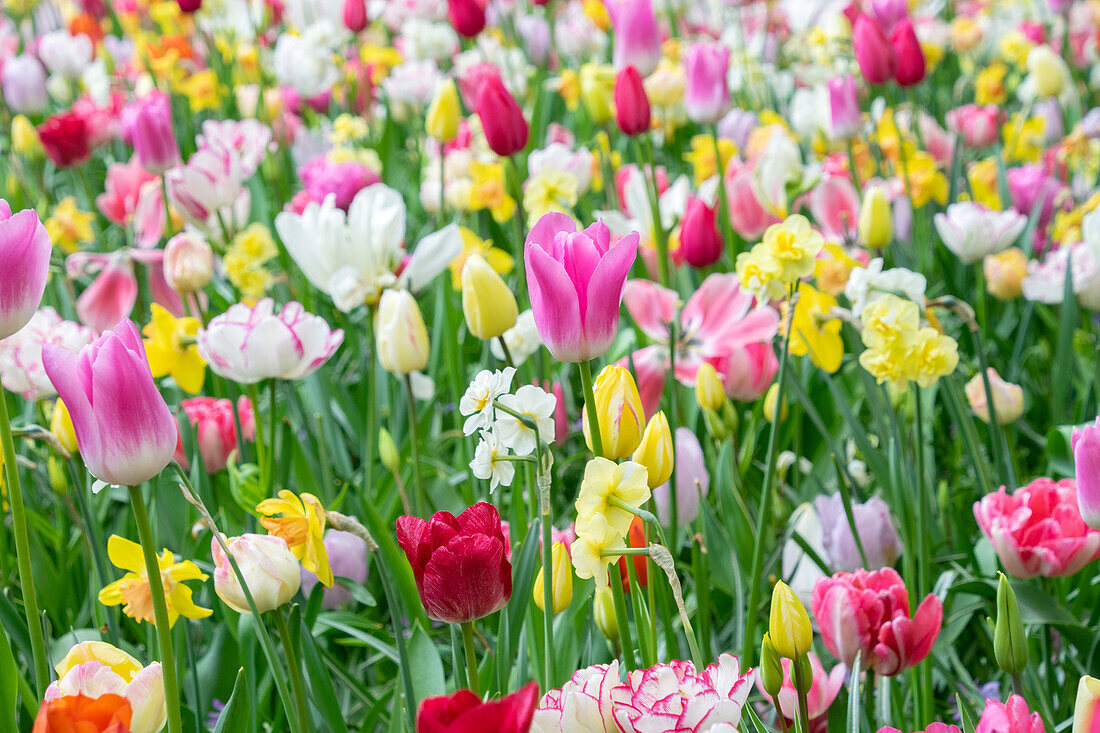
column 65, row 138
column 700, row 242
column 464, row 712
column 467, row 17
column 355, row 15
column 501, row 117
column 910, row 57
column 189, row 6
column 635, row 538
column 460, row 563
column 631, row 102
column 876, row 57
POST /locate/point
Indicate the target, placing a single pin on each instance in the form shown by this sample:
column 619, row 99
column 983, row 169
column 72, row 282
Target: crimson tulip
column 65, row 139
column 355, row 15
column 467, row 17
column 700, row 242
column 877, row 59
column 631, row 102
column 910, row 68
column 501, row 117
column 464, row 712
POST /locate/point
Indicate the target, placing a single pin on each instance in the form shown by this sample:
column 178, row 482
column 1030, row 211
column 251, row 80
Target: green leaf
column 855, row 711
column 320, row 683
column 235, row 715
column 429, row 680
column 9, row 675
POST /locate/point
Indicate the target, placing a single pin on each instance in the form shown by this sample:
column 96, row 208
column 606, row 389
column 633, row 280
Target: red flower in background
column 65, row 138
column 501, row 117
column 80, row 714
column 464, row 712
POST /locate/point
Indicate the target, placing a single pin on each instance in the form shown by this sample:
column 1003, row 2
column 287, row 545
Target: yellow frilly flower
column 472, row 244
column 302, row 525
column 68, row 226
column 133, row 590
column 170, row 346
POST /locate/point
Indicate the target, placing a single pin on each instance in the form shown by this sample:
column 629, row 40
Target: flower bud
column 562, row 570
column 709, row 392
column 803, row 673
column 619, row 412
column 489, row 306
column 597, row 89
column 631, row 103
column 789, row 624
column 876, row 221
column 603, row 612
column 700, row 241
column 355, row 15
column 1008, row 399
column 269, row 568
column 655, row 450
column 59, row 477
column 443, row 113
column 188, row 262
column 771, row 668
column 502, row 119
column 61, row 425
column 402, row 336
column 387, row 451
column 1004, row 272
column 24, row 138
column 770, row 400
column 1087, row 706
column 1048, row 69
column 1010, row 645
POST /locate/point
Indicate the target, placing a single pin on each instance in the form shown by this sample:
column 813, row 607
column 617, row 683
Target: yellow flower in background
column 244, row 260
column 597, row 88
column 24, row 138
column 348, row 128
column 665, row 86
column 1067, row 224
column 701, row 156
column 982, row 177
column 989, row 86
column 472, row 244
column 167, row 15
column 814, row 331
column 934, row 356
column 487, row 191
column 793, row 244
column 597, row 13
column 170, row 346
column 1014, row 48
column 568, row 85
column 594, row 535
column 68, row 226
column 606, row 483
column 202, row 90
column 133, row 592
column 302, row 525
column 926, row 181
column 561, row 573
column 61, row 425
column 1023, row 138
column 380, row 59
column 965, row 33
column 550, row 190
column 444, row 113
column 655, row 450
column 831, row 271
column 709, row 392
column 899, row 349
column 759, row 273
column 110, row 656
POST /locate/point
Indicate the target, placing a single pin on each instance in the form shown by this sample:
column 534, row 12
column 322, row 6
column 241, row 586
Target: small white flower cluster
column 503, row 434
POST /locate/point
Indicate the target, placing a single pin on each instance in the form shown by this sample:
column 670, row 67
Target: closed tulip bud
column 631, row 103
column 603, row 612
column 1085, row 711
column 1010, row 645
column 770, row 400
column 148, row 126
column 444, row 113
column 1008, row 399
column 700, row 241
column 562, row 570
column 61, row 425
column 709, row 392
column 1048, row 69
column 803, row 674
column 188, row 262
column 1004, row 272
column 877, row 59
column 489, row 306
column 387, row 451
column 268, row 566
column 355, row 15
column 910, row 57
column 789, row 624
column 501, row 118
column 655, row 450
column 24, row 138
column 597, row 91
column 876, row 220
column 771, row 668
column 189, row 6
column 619, row 412
column 402, row 336
column 467, row 17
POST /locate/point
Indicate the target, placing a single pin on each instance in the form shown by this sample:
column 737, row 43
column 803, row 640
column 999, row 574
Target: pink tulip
column 1038, row 529
column 124, row 429
column 467, row 17
column 747, row 214
column 1012, row 716
column 25, row 263
column 216, row 427
column 632, row 110
column 911, row 67
column 501, row 117
column 147, row 125
column 978, row 126
column 576, row 281
column 887, row 13
column 867, row 613
column 933, row 728
column 845, row 116
column 707, row 96
column 877, row 59
column 824, row 688
column 748, row 371
column 700, row 241
column 355, row 15
column 834, row 203
column 112, row 295
column 210, row 182
column 1086, row 460
column 637, row 37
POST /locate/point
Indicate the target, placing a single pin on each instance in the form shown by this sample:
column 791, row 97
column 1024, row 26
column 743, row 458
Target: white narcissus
column 972, row 231
column 305, row 61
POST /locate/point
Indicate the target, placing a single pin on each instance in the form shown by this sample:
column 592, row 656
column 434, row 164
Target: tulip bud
column 1008, row 399
column 597, row 90
column 61, row 425
column 1004, row 272
column 444, row 113
column 603, row 612
column 59, row 477
column 709, row 392
column 562, row 570
column 402, row 336
column 619, row 412
column 1048, row 69
column 1086, row 708
column 467, row 17
column 700, row 241
column 910, row 57
column 1010, row 645
column 268, row 566
column 387, row 451
column 877, row 59
column 655, row 450
column 501, row 118
column 188, row 262
column 631, row 102
column 355, row 15
column 489, row 306
column 789, row 624
column 24, row 138
column 189, row 6
column 803, row 674
column 771, row 668
column 876, row 221
column 770, row 400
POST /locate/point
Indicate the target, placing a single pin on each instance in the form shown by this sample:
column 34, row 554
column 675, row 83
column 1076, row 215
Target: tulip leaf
column 1059, row 454
column 757, row 725
column 855, row 711
column 429, row 680
column 9, row 675
column 235, row 715
column 358, row 591
column 320, row 682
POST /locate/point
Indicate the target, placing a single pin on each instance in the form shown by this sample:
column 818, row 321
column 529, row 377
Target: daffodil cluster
column 899, row 348
column 603, row 516
column 785, row 255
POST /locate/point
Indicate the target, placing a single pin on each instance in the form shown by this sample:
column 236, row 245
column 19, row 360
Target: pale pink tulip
column 637, row 36
column 582, row 705
column 216, row 427
column 1086, row 460
column 747, row 215
column 21, row 369
column 692, row 481
column 707, row 95
column 347, row 556
column 834, row 203
column 147, row 125
column 25, row 262
column 978, row 126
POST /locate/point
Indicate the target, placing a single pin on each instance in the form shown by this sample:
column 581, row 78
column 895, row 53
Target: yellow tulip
column 655, row 450
column 562, row 580
column 489, row 306
column 597, row 90
column 709, row 392
column 619, row 412
column 1084, row 712
column 603, row 612
column 876, row 221
column 444, row 113
column 788, row 624
column 61, row 425
column 24, row 138
column 402, row 342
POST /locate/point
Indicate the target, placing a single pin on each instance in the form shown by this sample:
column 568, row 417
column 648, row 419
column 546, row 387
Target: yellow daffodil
column 605, row 481
column 133, row 590
column 472, row 244
column 568, row 85
column 347, row 128
column 982, row 177
column 1023, row 138
column 170, row 346
column 701, row 156
column 68, row 226
column 926, row 181
column 244, row 260
column 202, row 90
column 989, row 86
column 487, row 191
column 785, row 255
column 302, row 525
column 899, row 349
column 550, row 190
column 593, row 537
column 831, row 271
column 814, row 331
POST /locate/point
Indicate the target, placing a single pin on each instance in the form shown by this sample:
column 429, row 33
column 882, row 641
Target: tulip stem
column 590, row 403
column 644, row 154
column 23, row 554
column 543, row 479
column 160, row 609
column 295, row 668
column 803, row 705
column 471, row 656
column 749, row 648
column 626, row 643
column 414, row 442
column 723, row 203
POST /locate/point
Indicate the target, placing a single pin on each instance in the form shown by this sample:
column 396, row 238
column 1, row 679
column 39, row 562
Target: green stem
column 626, row 643
column 800, row 685
column 644, row 154
column 471, row 657
column 160, row 610
column 296, row 683
column 546, row 513
column 590, row 403
column 23, row 554
column 414, row 441
column 261, row 438
column 723, row 203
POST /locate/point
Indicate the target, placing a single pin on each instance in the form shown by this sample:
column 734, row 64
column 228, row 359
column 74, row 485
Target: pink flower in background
column 112, row 295
column 248, row 139
column 877, row 59
column 1086, row 460
column 692, row 480
column 637, row 36
column 347, row 556
column 147, row 125
column 21, row 369
column 933, row 728
column 845, row 115
column 1030, row 186
column 824, row 688
column 125, row 431
column 1038, row 530
column 910, row 57
column 25, row 262
column 216, row 427
column 320, row 177
column 582, row 705
column 867, row 613
column 210, row 181
column 707, row 96
column 701, row 243
column 133, row 197
column 834, row 203
column 1012, row 716
column 978, row 126
column 747, row 214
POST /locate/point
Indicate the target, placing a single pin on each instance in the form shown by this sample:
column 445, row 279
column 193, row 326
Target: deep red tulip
column 501, row 117
column 910, row 57
column 876, row 57
column 631, row 102
column 464, row 712
column 65, row 138
column 460, row 563
column 467, row 17
column 700, row 242
column 635, row 538
column 189, row 6
column 355, row 15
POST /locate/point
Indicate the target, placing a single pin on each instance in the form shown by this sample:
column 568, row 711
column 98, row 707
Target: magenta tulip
column 707, row 96
column 25, row 263
column 877, row 60
column 148, row 126
column 576, row 281
column 1086, row 459
column 464, row 711
column 637, row 37
column 467, row 17
column 910, row 57
column 700, row 242
column 501, row 117
column 125, row 431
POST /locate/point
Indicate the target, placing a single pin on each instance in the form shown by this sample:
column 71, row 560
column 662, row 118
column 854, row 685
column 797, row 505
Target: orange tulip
column 80, row 714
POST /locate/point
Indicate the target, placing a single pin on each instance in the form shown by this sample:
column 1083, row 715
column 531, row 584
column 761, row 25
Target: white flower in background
column 396, row 13
column 249, row 139
column 209, row 191
column 423, row 386
column 486, row 463
column 306, row 62
column 577, row 163
column 65, row 54
column 576, row 37
column 301, row 14
column 477, row 402
column 423, row 39
column 21, row 369
column 1045, row 281
column 779, row 165
column 412, row 83
column 535, row 403
column 522, row 339
column 972, row 231
column 672, row 204
column 809, row 111
column 866, row 284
